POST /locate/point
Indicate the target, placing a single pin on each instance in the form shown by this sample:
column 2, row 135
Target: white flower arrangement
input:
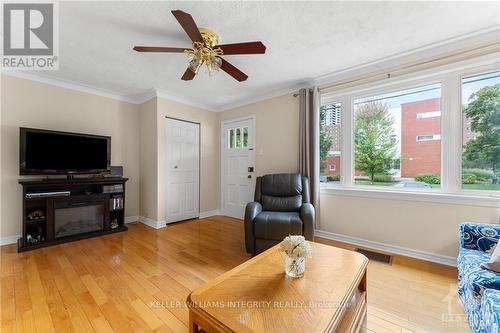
column 296, row 247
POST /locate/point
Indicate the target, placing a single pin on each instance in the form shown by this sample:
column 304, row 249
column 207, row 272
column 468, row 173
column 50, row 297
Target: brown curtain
column 309, row 142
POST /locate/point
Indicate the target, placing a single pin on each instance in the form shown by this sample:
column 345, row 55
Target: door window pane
column 481, row 132
column 330, row 142
column 245, row 137
column 397, row 138
column 231, row 138
column 238, row 138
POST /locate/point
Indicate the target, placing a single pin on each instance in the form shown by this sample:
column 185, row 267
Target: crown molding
column 134, row 99
column 287, row 90
column 459, row 42
column 72, row 85
column 166, row 95
column 456, row 43
column 465, row 41
column 144, row 97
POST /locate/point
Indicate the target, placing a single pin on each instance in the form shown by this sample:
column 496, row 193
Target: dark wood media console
column 62, row 210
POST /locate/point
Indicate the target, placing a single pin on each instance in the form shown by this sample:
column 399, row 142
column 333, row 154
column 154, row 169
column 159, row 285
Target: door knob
column 249, row 176
column 175, row 167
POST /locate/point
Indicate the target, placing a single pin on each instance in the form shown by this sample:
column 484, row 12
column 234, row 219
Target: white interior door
column 182, row 170
column 238, row 166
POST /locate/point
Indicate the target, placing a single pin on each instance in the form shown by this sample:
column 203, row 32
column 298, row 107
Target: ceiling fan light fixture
column 213, row 65
column 195, row 64
column 205, row 53
column 195, row 60
column 206, row 49
column 209, row 37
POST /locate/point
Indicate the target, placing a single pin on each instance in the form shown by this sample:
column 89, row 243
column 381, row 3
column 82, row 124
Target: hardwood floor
column 137, row 281
column 412, row 296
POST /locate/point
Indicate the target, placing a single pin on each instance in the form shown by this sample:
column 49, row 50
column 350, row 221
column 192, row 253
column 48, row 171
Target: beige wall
column 148, row 180
column 209, row 152
column 152, row 155
column 31, row 104
column 424, row 226
column 138, row 133
column 277, row 133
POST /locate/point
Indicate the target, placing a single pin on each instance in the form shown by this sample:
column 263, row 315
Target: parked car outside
column 412, row 184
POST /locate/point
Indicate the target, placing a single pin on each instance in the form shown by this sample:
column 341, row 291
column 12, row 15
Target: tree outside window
column 375, row 146
column 481, row 132
column 397, row 138
column 325, row 139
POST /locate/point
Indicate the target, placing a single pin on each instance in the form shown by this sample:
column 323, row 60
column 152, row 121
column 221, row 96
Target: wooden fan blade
column 233, row 71
column 243, row 48
column 188, row 75
column 159, row 49
column 187, row 23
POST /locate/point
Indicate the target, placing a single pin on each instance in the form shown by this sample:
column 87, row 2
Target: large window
column 481, row 132
column 397, row 138
column 404, row 135
column 330, row 142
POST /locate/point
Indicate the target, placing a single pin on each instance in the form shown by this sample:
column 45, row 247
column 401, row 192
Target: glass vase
column 295, row 267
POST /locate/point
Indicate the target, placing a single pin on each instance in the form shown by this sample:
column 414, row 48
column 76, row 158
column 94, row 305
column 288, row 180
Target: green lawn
column 477, row 186
column 482, row 186
column 367, row 182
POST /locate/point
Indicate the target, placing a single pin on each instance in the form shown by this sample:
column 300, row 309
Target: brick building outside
column 420, row 140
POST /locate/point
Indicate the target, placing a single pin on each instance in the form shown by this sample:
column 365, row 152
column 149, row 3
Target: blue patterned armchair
column 478, row 288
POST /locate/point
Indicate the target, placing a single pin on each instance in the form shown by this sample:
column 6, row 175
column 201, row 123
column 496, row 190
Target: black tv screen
column 45, row 152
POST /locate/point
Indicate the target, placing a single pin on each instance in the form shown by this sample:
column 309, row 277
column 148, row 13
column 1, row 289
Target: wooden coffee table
column 256, row 296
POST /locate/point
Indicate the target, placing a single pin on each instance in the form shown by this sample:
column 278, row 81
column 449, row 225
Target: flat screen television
column 44, row 152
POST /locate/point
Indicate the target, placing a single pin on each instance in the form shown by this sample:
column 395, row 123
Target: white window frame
column 334, row 167
column 430, row 114
column 450, row 77
column 433, row 137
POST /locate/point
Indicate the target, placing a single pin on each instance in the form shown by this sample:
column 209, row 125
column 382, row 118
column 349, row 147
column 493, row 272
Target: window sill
column 415, row 195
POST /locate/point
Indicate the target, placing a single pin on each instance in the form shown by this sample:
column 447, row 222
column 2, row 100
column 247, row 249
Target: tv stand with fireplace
column 62, row 210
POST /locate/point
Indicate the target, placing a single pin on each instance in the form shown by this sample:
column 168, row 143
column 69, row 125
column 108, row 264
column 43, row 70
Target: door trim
column 184, row 120
column 199, row 164
column 252, row 118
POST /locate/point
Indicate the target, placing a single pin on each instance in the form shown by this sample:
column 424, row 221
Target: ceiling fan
column 206, row 49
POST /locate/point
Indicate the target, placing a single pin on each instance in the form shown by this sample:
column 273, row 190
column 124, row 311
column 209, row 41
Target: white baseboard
column 147, row 221
column 175, row 219
column 423, row 255
column 152, row 223
column 130, row 219
column 204, row 215
column 9, row 239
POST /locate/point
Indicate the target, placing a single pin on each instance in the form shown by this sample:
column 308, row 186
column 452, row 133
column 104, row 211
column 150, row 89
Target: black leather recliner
column 282, row 207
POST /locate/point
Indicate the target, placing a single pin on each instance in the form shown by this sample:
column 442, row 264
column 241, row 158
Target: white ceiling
column 304, row 40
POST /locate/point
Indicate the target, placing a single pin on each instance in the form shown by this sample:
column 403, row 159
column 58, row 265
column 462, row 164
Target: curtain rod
column 443, row 59
column 297, row 94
